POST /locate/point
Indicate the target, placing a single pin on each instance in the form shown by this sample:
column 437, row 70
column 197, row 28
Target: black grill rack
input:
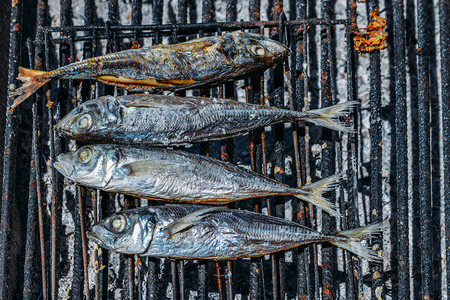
column 34, row 249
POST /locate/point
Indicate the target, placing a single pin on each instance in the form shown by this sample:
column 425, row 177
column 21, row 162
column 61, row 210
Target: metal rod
column 423, row 54
column 181, row 278
column 413, row 140
column 376, row 212
column 30, row 263
column 328, row 152
column 401, row 150
column 157, row 19
column 206, row 27
column 151, row 279
column 54, row 196
column 352, row 219
column 84, row 245
column 303, row 272
column 173, row 272
column 9, row 159
column 219, row 281
column 444, row 19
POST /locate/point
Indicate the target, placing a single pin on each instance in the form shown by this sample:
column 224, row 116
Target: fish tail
column 329, row 116
column 355, row 236
column 32, row 81
column 312, row 193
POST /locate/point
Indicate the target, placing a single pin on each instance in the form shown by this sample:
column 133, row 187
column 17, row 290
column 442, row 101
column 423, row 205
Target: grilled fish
column 170, row 120
column 196, row 232
column 201, row 62
column 178, row 176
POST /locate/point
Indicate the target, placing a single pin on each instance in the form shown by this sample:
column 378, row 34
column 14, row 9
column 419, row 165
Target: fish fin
column 142, row 168
column 187, row 221
column 329, row 116
column 315, row 190
column 32, row 81
column 355, row 236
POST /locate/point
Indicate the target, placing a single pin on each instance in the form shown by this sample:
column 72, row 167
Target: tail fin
column 315, row 190
column 329, row 116
column 355, row 236
column 33, row 80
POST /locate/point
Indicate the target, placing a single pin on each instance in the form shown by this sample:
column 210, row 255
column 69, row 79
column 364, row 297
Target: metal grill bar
column 303, row 282
column 30, row 264
column 352, row 268
column 376, row 212
column 9, row 160
column 426, row 244
column 402, row 232
column 35, row 200
column 328, row 152
column 444, row 16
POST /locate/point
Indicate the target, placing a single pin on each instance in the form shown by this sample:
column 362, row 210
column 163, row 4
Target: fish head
column 128, row 231
column 91, row 120
column 90, row 165
column 255, row 52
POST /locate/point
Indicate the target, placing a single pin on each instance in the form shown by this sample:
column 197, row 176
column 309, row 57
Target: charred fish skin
column 196, row 232
column 178, row 176
column 162, row 120
column 205, row 61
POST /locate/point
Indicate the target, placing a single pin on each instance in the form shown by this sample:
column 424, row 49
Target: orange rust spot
column 14, row 2
column 16, row 27
column 278, row 169
column 374, row 37
column 277, row 9
column 50, row 103
column 135, row 45
column 420, row 49
column 327, row 290
column 139, row 263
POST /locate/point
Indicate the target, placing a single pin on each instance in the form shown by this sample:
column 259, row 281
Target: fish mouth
column 63, row 167
column 95, row 238
column 63, row 126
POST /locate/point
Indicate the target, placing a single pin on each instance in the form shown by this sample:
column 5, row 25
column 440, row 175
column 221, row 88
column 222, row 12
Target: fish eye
column 85, row 155
column 85, row 122
column 257, row 50
column 118, row 223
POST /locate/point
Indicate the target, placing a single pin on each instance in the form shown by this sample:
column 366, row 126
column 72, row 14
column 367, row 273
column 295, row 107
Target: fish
column 216, row 233
column 163, row 120
column 178, row 176
column 201, row 62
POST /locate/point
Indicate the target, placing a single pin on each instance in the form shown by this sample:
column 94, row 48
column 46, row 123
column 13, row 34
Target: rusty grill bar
column 34, row 250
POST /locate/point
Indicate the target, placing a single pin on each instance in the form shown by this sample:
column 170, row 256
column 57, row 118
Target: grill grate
column 397, row 165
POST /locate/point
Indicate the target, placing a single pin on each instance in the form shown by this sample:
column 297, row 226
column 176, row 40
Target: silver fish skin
column 178, row 176
column 169, row 120
column 205, row 61
column 196, row 232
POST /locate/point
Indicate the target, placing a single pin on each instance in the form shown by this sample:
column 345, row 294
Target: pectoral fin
column 187, row 221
